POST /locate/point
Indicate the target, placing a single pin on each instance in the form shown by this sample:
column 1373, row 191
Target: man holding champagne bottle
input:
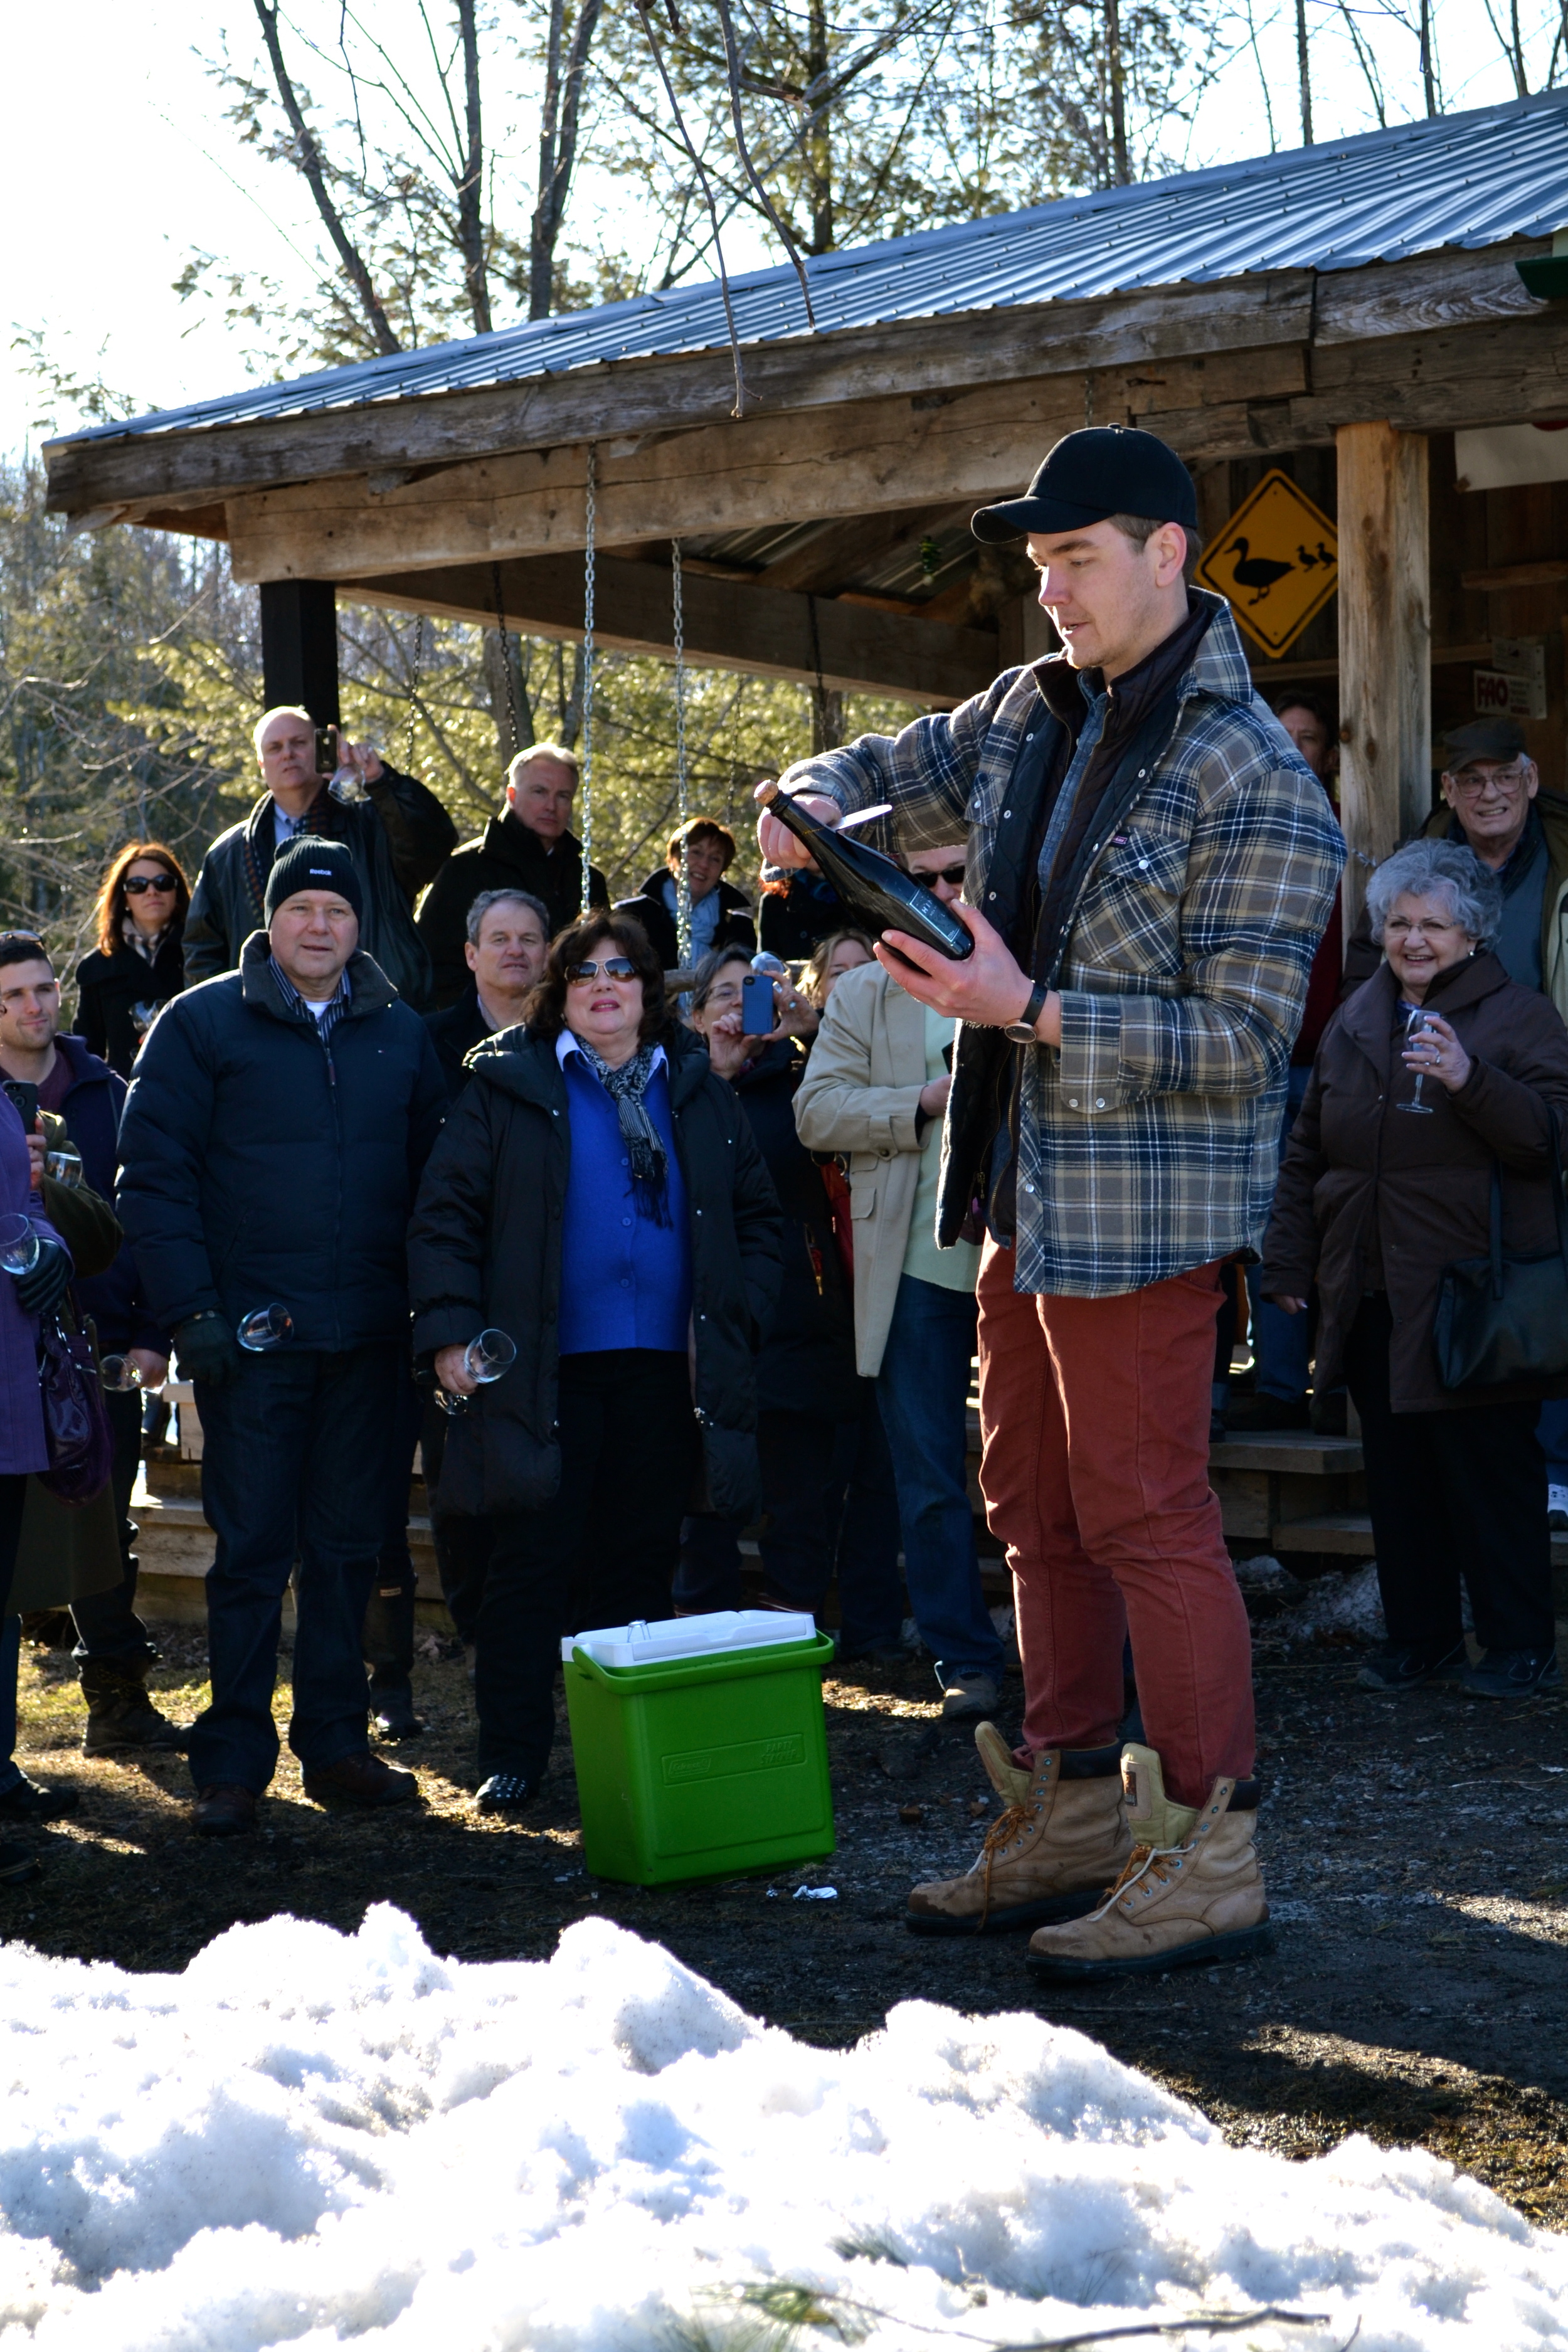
column 1150, row 866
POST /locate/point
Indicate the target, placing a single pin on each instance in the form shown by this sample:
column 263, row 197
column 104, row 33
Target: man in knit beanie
column 272, row 1143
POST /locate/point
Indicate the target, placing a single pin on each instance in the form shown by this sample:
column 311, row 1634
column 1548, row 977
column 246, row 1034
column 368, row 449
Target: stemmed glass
column 485, row 1359
column 264, row 1327
column 18, row 1245
column 1417, row 1026
column 117, row 1375
column 143, row 1013
column 64, row 1164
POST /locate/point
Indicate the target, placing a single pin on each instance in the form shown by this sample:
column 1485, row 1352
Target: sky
column 123, row 165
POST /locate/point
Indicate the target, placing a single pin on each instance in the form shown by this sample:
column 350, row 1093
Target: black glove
column 207, row 1350
column 45, row 1284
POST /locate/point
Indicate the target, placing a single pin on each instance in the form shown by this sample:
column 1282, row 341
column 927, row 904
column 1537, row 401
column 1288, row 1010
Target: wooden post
column 1385, row 647
column 299, row 646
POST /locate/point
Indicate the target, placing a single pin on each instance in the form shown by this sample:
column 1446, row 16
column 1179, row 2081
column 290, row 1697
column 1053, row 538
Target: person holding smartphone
column 398, row 835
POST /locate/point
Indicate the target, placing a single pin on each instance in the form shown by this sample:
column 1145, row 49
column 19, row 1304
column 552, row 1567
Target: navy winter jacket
column 257, row 1164
column 91, row 1113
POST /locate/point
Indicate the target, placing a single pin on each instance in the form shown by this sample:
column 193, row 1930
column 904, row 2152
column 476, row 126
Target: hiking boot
column 1511, row 1674
column 361, row 1780
column 964, row 1695
column 1393, row 1667
column 224, row 1811
column 1049, row 1856
column 392, row 1715
column 119, row 1714
column 1191, row 1893
column 24, row 1800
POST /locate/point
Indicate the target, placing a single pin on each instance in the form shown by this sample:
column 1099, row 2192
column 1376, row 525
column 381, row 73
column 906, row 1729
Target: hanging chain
column 682, row 791
column 511, row 724
column 413, row 692
column 585, row 757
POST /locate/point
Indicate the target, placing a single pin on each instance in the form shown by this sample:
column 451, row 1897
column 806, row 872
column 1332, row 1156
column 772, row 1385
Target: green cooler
column 698, row 1745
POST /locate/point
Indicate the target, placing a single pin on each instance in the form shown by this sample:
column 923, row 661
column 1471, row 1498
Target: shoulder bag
column 1504, row 1319
column 76, row 1422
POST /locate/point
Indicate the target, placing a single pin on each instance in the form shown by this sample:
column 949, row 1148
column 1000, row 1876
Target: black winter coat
column 735, row 928
column 484, row 1249
column 807, row 1363
column 109, row 985
column 400, row 837
column 257, row 1164
column 791, row 921
column 454, row 1033
column 508, row 856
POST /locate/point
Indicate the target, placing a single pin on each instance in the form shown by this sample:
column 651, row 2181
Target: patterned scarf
column 645, row 1146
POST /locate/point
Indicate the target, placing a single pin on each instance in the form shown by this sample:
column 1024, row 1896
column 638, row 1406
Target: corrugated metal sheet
column 1464, row 180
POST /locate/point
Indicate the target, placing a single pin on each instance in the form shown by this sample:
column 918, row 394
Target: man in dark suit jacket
column 508, row 938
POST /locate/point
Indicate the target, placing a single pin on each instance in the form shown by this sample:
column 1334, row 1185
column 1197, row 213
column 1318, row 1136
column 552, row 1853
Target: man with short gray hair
column 529, row 847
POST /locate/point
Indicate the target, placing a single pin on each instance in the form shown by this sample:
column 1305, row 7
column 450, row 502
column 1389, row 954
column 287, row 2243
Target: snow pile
column 1342, row 1604
column 311, row 2137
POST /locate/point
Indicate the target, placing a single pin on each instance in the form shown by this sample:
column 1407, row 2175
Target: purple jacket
column 22, row 1443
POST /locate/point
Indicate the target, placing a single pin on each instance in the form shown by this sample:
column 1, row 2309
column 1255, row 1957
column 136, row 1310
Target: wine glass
column 264, row 1327
column 143, row 1013
column 64, row 1164
column 117, row 1375
column 1416, row 1024
column 485, row 1359
column 346, row 784
column 18, row 1245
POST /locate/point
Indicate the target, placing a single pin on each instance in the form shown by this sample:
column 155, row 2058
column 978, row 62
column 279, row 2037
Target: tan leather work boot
column 1050, row 1855
column 1192, row 1893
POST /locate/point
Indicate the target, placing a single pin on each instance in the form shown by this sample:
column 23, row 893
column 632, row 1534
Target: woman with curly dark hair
column 139, row 962
column 595, row 1194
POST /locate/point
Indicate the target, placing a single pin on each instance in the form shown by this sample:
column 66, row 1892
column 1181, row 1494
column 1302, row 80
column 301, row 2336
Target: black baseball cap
column 1483, row 738
column 1105, row 470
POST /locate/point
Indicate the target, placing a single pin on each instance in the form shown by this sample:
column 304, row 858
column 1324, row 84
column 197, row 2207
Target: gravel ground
column 1416, row 1855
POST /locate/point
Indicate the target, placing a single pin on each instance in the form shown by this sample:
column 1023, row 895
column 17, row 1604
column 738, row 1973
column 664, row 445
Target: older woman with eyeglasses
column 597, row 1195
column 1438, row 1076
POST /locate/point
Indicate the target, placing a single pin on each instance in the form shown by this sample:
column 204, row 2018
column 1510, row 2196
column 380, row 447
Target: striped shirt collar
column 337, row 1005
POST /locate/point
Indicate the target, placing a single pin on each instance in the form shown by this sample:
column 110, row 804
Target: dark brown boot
column 119, row 1714
column 362, row 1781
column 224, row 1811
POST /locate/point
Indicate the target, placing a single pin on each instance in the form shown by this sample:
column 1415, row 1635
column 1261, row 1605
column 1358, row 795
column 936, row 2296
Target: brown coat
column 1353, row 1154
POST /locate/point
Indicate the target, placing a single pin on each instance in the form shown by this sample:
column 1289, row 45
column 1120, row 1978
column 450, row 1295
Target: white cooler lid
column 666, row 1638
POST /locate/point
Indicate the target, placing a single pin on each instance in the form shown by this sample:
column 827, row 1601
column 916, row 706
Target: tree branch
column 307, row 159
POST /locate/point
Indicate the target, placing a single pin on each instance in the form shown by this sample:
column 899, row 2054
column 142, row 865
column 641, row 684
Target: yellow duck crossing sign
column 1277, row 560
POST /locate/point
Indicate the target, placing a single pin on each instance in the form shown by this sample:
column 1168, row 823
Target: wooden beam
column 1517, row 575
column 1127, row 331
column 675, row 393
column 764, row 630
column 299, row 646
column 865, row 457
column 1507, row 371
column 1386, row 637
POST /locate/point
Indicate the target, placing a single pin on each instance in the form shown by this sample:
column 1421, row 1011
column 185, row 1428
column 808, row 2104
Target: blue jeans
column 922, row 1389
column 1282, row 1343
column 296, row 1458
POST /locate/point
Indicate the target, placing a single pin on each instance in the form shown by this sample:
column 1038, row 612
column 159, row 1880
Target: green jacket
column 1362, row 956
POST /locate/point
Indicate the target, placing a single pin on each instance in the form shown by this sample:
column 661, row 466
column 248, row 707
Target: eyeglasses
column 1470, row 787
column 136, row 883
column 951, row 874
column 613, row 968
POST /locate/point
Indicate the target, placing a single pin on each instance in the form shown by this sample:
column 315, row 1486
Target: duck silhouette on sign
column 1258, row 571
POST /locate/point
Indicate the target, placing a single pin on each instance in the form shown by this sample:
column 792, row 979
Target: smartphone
column 25, row 1096
column 326, row 750
column 757, row 1004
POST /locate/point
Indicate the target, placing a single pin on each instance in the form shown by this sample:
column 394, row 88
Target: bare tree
column 1304, row 71
column 559, row 118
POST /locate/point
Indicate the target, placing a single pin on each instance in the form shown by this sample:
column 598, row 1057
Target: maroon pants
column 1094, row 1418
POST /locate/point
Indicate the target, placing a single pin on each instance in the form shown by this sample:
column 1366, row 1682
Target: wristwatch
column 1022, row 1031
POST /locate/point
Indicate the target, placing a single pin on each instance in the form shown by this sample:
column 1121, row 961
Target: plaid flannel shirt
column 1149, row 1140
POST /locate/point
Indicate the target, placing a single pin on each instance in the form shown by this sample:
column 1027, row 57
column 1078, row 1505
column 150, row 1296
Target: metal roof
column 1466, row 180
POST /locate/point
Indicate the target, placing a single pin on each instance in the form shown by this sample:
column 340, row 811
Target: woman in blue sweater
column 597, row 1195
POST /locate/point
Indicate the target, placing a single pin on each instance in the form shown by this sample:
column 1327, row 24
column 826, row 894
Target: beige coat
column 859, row 1096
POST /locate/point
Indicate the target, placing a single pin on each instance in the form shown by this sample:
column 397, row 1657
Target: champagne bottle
column 871, row 884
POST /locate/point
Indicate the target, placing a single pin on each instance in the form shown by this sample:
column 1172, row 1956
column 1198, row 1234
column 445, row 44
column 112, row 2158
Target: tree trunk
column 1121, row 169
column 818, row 138
column 1304, row 69
column 471, row 188
column 558, row 124
column 514, row 717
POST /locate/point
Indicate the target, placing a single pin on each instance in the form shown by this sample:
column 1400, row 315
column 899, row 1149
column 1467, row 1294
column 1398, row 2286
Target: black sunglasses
column 136, row 883
column 613, row 968
column 953, row 874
